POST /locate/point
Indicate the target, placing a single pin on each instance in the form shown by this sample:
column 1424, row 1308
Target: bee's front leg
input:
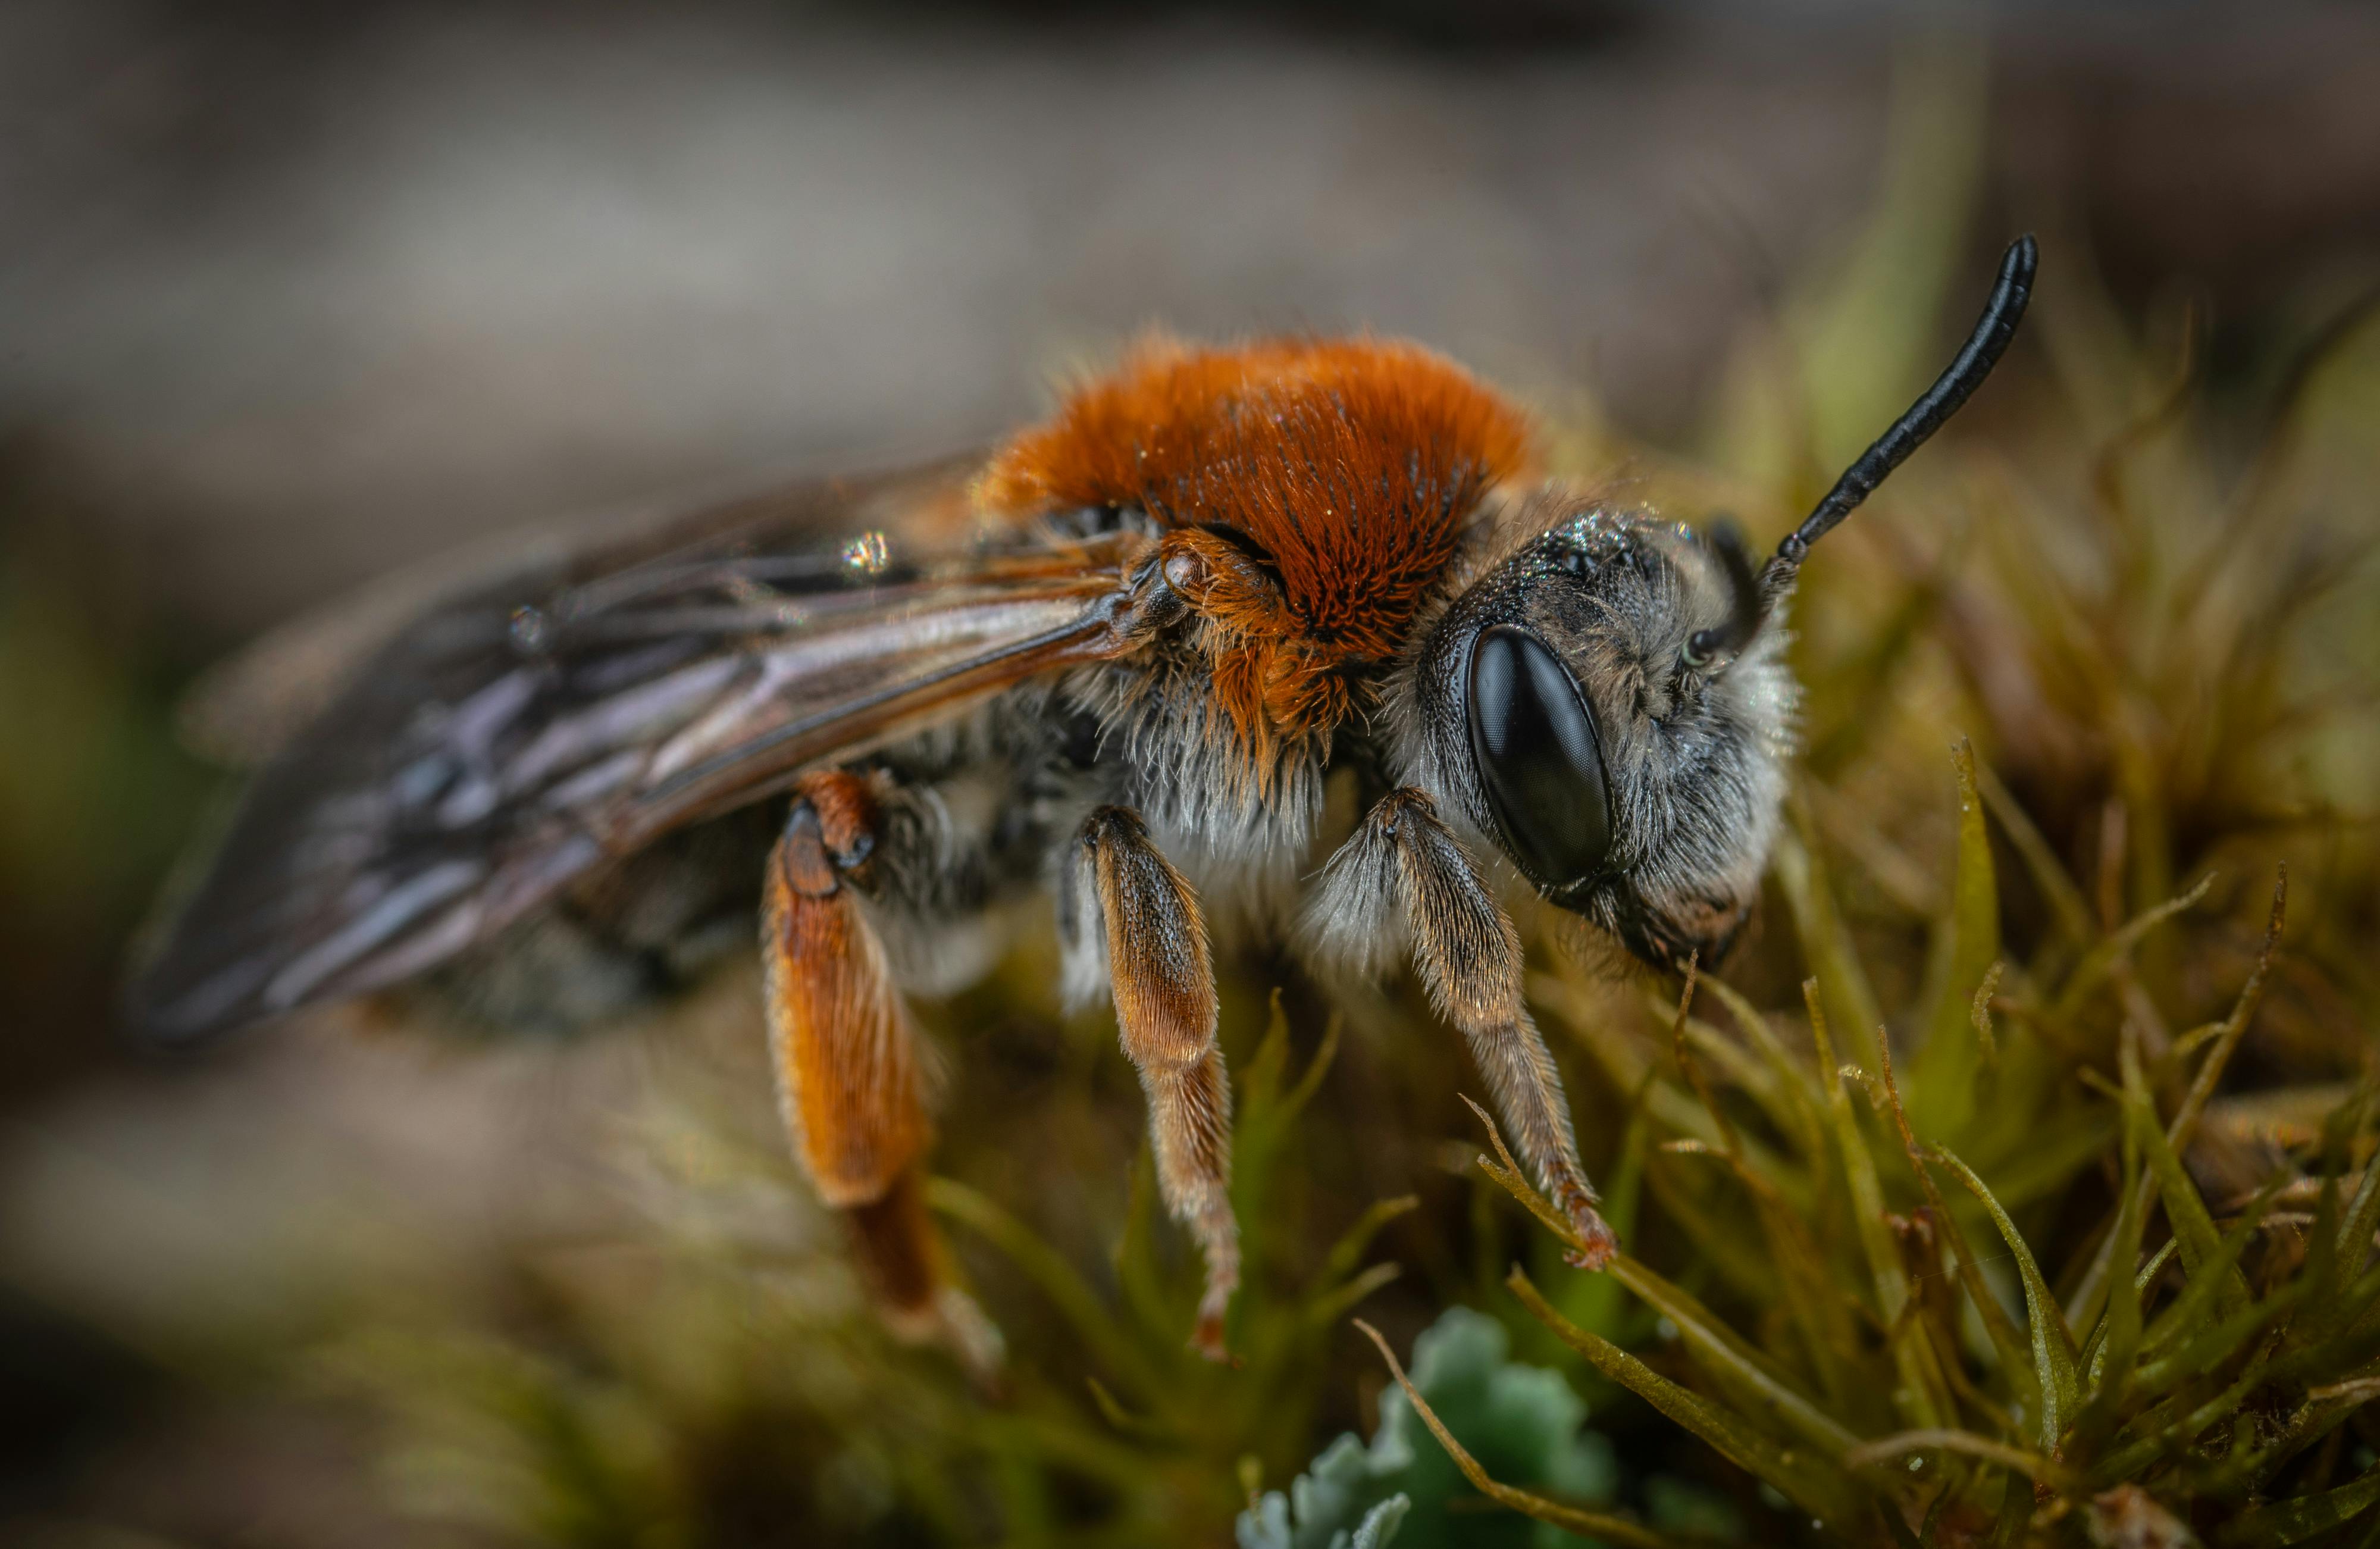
column 847, row 1062
column 1127, row 897
column 1405, row 865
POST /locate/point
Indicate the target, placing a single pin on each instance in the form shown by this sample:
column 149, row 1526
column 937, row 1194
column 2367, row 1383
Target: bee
column 1112, row 662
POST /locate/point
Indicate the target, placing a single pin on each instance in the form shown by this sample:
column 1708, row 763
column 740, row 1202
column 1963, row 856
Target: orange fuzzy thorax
column 1348, row 465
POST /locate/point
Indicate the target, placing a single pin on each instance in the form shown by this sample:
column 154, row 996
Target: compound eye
column 1540, row 760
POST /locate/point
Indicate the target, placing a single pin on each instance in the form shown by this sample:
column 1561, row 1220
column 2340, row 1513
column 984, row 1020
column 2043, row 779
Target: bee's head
column 1610, row 707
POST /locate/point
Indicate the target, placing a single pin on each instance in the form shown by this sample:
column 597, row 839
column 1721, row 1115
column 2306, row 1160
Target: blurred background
column 293, row 296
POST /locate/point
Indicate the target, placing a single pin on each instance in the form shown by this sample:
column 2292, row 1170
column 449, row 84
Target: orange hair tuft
column 1351, row 464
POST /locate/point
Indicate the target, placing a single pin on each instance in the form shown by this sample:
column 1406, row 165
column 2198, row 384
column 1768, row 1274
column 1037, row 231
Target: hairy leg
column 1403, row 872
column 1163, row 983
column 848, row 1063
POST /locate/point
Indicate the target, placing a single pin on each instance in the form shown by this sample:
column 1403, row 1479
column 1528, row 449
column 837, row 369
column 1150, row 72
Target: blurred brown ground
column 290, row 296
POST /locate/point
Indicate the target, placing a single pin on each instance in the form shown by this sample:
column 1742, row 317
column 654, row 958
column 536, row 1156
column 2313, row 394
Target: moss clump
column 1522, row 1421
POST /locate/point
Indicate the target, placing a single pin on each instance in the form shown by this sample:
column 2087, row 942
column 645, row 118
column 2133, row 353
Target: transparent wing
column 525, row 729
column 248, row 707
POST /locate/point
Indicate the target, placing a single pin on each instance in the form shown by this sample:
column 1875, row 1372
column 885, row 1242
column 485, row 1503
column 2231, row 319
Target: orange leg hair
column 1163, row 981
column 848, row 1064
column 1468, row 953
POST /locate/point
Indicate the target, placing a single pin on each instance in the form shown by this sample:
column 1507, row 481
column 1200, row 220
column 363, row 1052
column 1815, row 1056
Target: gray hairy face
column 1562, row 711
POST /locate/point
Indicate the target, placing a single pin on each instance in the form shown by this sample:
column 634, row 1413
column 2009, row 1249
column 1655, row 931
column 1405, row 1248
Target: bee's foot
column 953, row 1321
column 1206, row 1338
column 1598, row 1241
column 974, row 1338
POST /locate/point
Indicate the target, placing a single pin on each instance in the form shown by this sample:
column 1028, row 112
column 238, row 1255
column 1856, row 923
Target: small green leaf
column 2185, row 1208
column 2053, row 1347
column 2041, row 863
column 1793, row 1076
column 1348, row 1251
column 2353, row 1243
column 1379, row 1524
column 1825, row 941
column 1804, row 1477
column 2083, row 1304
column 1887, row 1449
column 1047, row 1268
column 2215, row 1343
column 2101, row 960
column 2294, row 1521
column 2016, row 1510
column 1599, row 1524
column 1996, row 1325
column 1331, row 1305
column 2188, row 1311
column 1522, row 1422
column 1945, row 1069
column 2117, row 1338
column 1915, row 1394
column 1719, row 1350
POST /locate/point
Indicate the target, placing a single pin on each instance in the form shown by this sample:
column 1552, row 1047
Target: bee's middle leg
column 848, row 1066
column 1163, row 984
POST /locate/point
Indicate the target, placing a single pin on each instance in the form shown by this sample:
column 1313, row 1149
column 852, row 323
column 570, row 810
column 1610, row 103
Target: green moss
column 1523, row 1423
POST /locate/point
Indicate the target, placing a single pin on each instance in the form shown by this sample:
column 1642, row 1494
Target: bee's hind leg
column 1163, row 981
column 1468, row 953
column 848, row 1066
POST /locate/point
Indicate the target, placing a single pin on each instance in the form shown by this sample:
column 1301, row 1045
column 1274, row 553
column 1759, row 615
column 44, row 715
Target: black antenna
column 1974, row 363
